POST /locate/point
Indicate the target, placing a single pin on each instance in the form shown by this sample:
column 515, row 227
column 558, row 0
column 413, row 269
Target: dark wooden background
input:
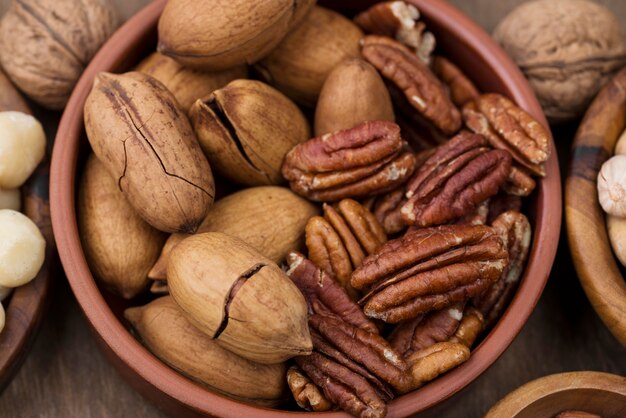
column 67, row 376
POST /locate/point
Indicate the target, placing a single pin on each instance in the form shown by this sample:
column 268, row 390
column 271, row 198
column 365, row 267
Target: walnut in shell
column 46, row 44
column 568, row 62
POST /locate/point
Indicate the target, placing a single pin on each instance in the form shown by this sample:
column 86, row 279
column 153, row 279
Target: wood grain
column 597, row 393
column 67, row 376
column 586, row 226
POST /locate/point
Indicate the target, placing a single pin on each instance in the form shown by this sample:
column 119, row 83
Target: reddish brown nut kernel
column 340, row 240
column 366, row 160
column 424, row 331
column 429, row 269
column 387, row 211
column 420, row 86
column 457, row 178
column 398, row 20
column 470, row 327
column 478, row 217
column 516, row 233
column 462, row 90
column 501, row 203
column 435, row 360
column 307, row 395
column 323, row 293
column 510, row 128
column 519, row 183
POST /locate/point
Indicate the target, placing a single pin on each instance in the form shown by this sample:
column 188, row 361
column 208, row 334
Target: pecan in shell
column 420, row 86
column 339, row 241
column 429, row 269
column 369, row 159
column 508, row 127
column 516, row 233
column 458, row 177
column 462, row 90
column 399, row 20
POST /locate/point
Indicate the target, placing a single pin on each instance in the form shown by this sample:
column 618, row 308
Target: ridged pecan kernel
column 462, row 90
column 307, row 395
column 420, row 86
column 363, row 161
column 457, row 178
column 429, row 269
column 508, row 127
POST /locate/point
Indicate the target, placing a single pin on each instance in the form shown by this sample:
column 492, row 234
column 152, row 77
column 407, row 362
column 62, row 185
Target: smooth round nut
column 46, row 44
column 568, row 62
column 10, row 199
column 22, row 249
column 612, row 186
column 22, row 147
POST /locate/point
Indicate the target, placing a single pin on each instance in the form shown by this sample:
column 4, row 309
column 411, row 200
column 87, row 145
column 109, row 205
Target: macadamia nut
column 612, row 186
column 22, row 147
column 22, row 249
column 617, row 234
column 10, row 199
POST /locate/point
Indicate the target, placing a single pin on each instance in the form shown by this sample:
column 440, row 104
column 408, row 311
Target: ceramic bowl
column 461, row 40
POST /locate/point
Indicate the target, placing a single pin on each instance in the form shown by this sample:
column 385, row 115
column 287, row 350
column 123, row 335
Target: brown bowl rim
column 166, row 380
column 516, row 401
column 592, row 253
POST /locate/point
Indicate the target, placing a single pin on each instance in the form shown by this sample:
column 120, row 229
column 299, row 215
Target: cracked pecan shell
column 516, row 233
column 339, row 241
column 366, row 160
column 323, row 293
column 508, row 127
column 455, row 180
column 462, row 90
column 146, row 143
column 420, row 86
column 399, row 20
column 429, row 269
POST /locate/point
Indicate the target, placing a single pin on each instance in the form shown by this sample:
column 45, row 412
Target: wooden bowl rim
column 176, row 386
column 527, row 394
column 588, row 154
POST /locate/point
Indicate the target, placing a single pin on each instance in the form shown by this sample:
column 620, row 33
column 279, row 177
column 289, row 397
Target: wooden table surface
column 65, row 375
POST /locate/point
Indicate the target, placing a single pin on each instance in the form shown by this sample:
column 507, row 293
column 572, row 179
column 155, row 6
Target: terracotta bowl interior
column 593, row 392
column 464, row 43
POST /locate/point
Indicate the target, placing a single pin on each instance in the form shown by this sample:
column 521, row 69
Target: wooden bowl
column 593, row 392
column 465, row 43
column 25, row 307
column 595, row 263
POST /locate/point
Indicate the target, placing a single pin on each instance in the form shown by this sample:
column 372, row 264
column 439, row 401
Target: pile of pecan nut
column 422, row 241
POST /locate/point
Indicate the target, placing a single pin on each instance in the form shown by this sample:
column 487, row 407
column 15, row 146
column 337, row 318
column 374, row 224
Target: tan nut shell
column 188, row 84
column 46, row 44
column 164, row 330
column 119, row 245
column 302, row 61
column 245, row 130
column 353, row 93
column 215, row 35
column 268, row 218
column 239, row 298
column 145, row 141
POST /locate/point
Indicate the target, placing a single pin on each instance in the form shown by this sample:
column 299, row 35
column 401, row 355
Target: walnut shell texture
column 46, row 44
column 568, row 62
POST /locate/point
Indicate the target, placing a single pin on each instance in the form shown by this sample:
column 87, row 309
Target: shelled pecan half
column 429, row 363
column 323, row 293
column 387, row 211
column 420, row 86
column 367, row 160
column 462, row 90
column 429, row 269
column 508, row 127
column 515, row 231
column 470, row 327
column 399, row 20
column 519, row 183
column 478, row 216
column 339, row 241
column 454, row 180
column 306, row 393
